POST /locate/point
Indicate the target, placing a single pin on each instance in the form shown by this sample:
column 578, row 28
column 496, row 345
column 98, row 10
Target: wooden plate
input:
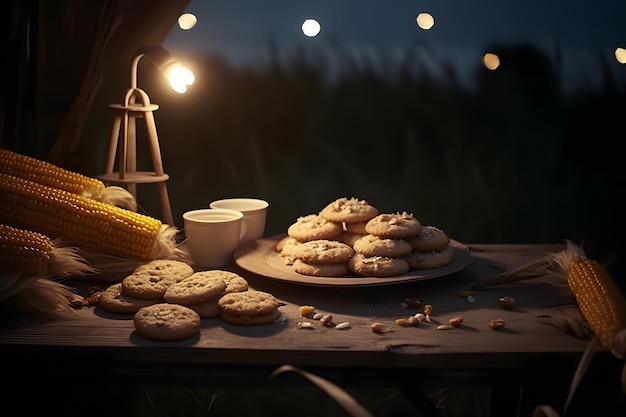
column 260, row 257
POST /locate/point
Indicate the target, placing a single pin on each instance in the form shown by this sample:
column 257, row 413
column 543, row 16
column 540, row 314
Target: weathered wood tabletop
column 542, row 341
column 544, row 321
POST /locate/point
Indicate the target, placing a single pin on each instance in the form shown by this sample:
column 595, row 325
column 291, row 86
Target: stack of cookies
column 352, row 236
column 169, row 299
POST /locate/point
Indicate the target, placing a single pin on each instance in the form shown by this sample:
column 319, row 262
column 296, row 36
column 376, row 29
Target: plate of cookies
column 349, row 243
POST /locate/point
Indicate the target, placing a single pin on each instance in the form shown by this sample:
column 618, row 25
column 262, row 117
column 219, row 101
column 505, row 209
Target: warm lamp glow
column 425, row 21
column 311, row 27
column 187, row 21
column 620, row 55
column 178, row 76
column 491, row 61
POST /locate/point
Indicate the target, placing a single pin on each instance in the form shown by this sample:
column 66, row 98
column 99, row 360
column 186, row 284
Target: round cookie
column 370, row 245
column 429, row 239
column 234, row 282
column 145, row 285
column 394, row 226
column 167, row 267
column 249, row 308
column 194, row 289
column 167, row 322
column 430, row 260
column 321, row 270
column 320, row 251
column 377, row 266
column 113, row 300
column 313, row 227
column 350, row 210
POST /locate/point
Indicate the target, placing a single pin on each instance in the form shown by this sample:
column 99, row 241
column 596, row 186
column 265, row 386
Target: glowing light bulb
column 179, row 78
column 311, row 27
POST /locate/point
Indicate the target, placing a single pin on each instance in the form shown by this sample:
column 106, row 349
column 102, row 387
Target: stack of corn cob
column 56, row 223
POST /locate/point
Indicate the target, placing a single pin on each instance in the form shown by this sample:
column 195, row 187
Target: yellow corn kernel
column 43, row 172
column 23, row 251
column 599, row 298
column 306, row 310
column 80, row 221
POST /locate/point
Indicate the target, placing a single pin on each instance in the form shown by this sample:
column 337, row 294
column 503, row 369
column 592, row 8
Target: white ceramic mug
column 213, row 235
column 254, row 214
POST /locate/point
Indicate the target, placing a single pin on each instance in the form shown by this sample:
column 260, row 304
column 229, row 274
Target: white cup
column 254, row 214
column 212, row 235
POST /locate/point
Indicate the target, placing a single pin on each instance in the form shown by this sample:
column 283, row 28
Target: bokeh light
column 491, row 61
column 311, row 27
column 620, row 55
column 187, row 20
column 425, row 21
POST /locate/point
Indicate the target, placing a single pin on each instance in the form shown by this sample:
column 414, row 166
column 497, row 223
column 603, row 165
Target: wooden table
column 535, row 347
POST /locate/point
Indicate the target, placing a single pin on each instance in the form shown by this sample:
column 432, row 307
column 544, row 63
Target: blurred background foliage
column 512, row 159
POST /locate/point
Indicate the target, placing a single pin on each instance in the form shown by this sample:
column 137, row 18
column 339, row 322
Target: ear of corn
column 29, row 253
column 43, row 172
column 24, row 251
column 79, row 220
column 599, row 298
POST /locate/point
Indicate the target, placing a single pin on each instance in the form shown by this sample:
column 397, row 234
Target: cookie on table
column 377, row 266
column 430, row 238
column 234, row 282
column 313, row 227
column 370, row 245
column 349, row 210
column 321, row 270
column 320, row 251
column 206, row 306
column 394, row 226
column 146, row 286
column 195, row 289
column 431, row 259
column 249, row 308
column 166, row 322
column 150, row 280
column 113, row 300
column 178, row 270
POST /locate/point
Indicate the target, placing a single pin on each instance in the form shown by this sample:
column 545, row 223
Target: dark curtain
column 57, row 56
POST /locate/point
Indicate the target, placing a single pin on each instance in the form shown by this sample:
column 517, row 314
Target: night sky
column 240, row 29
